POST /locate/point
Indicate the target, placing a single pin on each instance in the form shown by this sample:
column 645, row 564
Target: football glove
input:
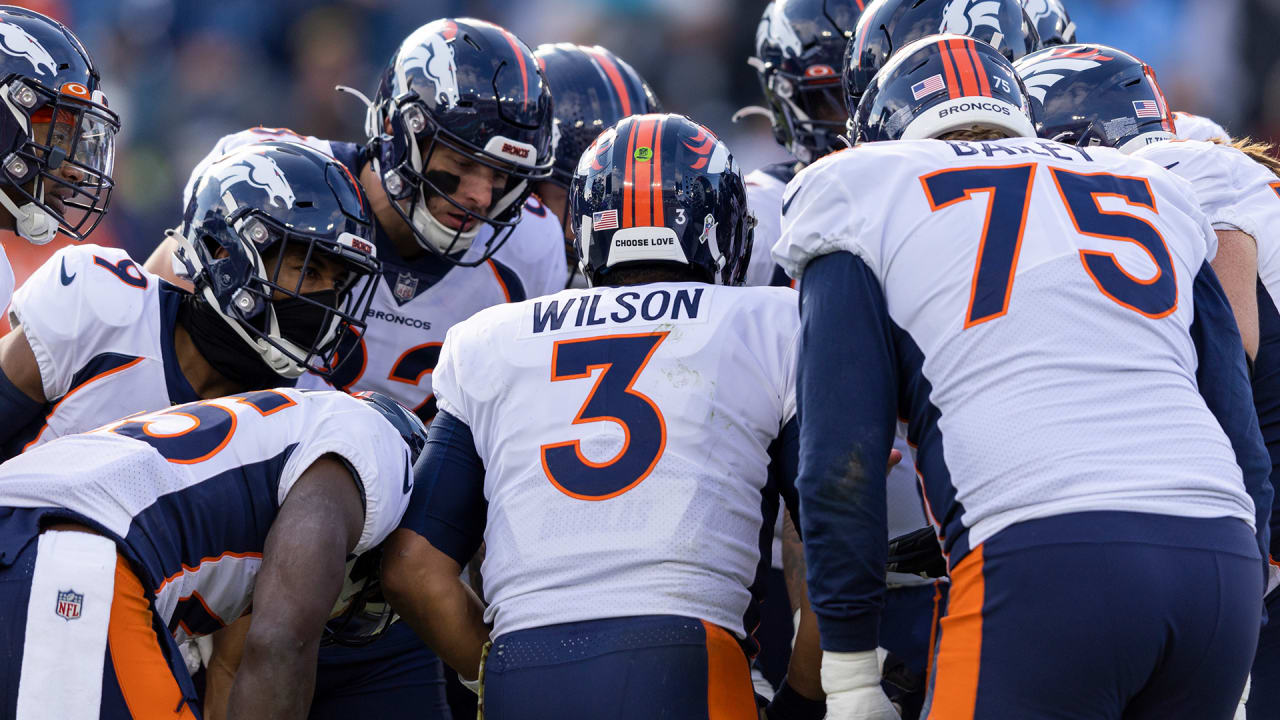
column 852, row 683
column 917, row 553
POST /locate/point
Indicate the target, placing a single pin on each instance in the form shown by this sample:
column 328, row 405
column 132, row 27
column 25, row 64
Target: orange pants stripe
column 955, row 680
column 730, row 695
column 143, row 673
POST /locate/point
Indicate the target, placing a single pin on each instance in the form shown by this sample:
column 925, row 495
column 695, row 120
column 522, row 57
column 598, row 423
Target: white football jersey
column 417, row 301
column 189, row 493
column 1227, row 183
column 625, row 434
column 1198, row 127
column 101, row 330
column 764, row 200
column 1044, row 294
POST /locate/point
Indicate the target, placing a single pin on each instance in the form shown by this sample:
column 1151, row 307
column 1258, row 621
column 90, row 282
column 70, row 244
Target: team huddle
column 968, row 411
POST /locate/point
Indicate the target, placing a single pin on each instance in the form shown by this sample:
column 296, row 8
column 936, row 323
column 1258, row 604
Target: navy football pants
column 1101, row 616
column 632, row 668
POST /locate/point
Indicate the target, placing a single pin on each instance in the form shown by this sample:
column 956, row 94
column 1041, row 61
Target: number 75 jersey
column 625, row 434
column 1040, row 298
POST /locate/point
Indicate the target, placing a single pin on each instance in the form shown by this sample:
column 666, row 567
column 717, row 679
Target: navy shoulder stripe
column 510, row 281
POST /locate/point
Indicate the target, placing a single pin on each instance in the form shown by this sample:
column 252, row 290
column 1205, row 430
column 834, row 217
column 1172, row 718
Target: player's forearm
column 448, row 616
column 1236, row 265
column 276, row 679
column 220, row 674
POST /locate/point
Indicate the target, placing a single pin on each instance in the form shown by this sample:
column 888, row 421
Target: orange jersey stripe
column 615, row 77
column 955, row 682
column 628, row 181
column 144, row 676
column 960, row 56
column 729, row 692
column 496, row 276
column 983, row 84
column 656, row 181
column 948, row 67
column 73, row 391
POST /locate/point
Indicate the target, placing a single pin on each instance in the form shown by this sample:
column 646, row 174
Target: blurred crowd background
column 181, row 73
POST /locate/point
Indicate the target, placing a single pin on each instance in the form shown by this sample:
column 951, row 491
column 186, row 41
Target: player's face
column 292, row 269
column 478, row 187
column 556, row 197
column 57, row 134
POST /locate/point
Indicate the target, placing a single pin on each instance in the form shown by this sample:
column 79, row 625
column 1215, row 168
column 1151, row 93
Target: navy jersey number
column 1009, row 188
column 209, row 429
column 1155, row 297
column 620, row 360
column 1010, row 192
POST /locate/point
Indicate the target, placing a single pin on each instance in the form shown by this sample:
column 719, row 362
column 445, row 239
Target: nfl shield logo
column 69, row 603
column 406, row 286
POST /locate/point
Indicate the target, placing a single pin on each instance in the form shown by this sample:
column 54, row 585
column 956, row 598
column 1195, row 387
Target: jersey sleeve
column 1226, row 182
column 764, row 199
column 371, row 447
column 81, row 303
column 535, row 253
column 445, row 382
column 823, row 213
column 227, row 143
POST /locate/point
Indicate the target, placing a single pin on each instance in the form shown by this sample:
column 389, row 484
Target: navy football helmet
column 886, row 26
column 799, row 48
column 57, row 137
column 1091, row 95
column 474, row 88
column 246, row 210
column 361, row 613
column 1052, row 22
column 593, row 89
column 940, row 84
column 661, row 189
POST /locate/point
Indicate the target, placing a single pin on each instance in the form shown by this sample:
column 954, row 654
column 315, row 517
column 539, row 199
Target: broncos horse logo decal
column 430, row 52
column 16, row 41
column 261, row 172
column 964, row 17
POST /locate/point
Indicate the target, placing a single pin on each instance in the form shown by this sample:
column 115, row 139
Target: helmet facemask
column 403, row 167
column 361, row 614
column 56, row 174
column 293, row 331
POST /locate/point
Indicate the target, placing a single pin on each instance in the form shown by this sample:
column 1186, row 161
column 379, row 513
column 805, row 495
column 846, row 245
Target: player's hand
column 852, row 683
column 895, row 457
column 917, row 553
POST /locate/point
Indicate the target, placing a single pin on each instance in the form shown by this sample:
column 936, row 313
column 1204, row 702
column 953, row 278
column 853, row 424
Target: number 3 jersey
column 189, row 493
column 101, row 329
column 625, row 434
column 418, row 300
column 1040, row 302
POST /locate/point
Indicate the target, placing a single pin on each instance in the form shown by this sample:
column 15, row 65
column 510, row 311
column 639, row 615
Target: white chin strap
column 30, row 220
column 443, row 239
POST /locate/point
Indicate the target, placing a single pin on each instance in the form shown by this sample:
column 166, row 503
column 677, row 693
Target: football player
column 171, row 524
column 459, row 130
column 630, row 582
column 593, row 89
column 1094, row 95
column 1046, row 319
column 58, row 142
column 800, row 45
column 277, row 238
